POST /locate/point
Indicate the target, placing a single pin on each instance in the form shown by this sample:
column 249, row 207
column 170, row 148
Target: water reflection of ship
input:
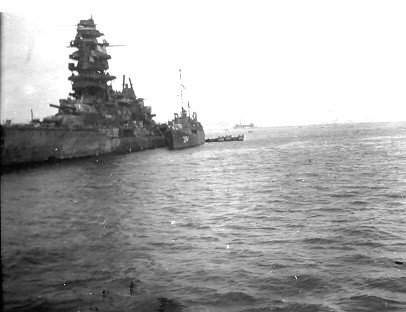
column 94, row 120
column 184, row 131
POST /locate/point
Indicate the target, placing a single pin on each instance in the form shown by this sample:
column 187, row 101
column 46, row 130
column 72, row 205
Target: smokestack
column 131, row 84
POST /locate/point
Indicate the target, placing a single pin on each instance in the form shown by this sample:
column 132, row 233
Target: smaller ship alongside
column 227, row 138
column 184, row 131
column 243, row 126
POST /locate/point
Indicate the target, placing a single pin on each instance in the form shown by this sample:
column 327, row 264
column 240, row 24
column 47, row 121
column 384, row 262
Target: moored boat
column 184, row 131
column 227, row 138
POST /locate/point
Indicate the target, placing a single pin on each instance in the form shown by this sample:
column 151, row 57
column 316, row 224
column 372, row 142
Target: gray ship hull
column 21, row 145
column 178, row 139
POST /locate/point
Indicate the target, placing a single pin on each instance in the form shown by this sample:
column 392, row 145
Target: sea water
column 305, row 218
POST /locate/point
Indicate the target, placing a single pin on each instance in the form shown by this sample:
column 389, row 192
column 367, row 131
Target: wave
column 392, row 284
column 372, row 303
column 290, row 307
column 298, row 285
column 228, row 298
column 311, row 226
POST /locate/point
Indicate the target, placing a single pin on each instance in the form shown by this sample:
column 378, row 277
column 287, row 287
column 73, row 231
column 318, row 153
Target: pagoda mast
column 90, row 82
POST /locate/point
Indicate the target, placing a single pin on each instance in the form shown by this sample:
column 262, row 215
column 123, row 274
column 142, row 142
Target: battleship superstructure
column 184, row 131
column 93, row 120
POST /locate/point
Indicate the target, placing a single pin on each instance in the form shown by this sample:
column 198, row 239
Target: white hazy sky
column 266, row 62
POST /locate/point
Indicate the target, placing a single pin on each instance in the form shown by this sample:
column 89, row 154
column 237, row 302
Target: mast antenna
column 181, row 93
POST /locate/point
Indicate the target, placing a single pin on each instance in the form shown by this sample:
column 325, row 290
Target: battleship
column 93, row 120
column 184, row 131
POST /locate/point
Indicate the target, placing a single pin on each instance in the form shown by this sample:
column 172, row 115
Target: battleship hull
column 22, row 145
column 178, row 139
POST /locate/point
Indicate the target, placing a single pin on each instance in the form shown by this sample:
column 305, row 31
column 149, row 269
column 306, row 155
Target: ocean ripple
column 291, row 219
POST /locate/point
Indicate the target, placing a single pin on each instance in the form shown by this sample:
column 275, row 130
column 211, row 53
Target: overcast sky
column 266, row 62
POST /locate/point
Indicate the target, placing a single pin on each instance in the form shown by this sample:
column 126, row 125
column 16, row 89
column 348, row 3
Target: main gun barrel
column 63, row 107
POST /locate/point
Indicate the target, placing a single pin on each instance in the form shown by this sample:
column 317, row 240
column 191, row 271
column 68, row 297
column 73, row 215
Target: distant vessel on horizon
column 243, row 126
